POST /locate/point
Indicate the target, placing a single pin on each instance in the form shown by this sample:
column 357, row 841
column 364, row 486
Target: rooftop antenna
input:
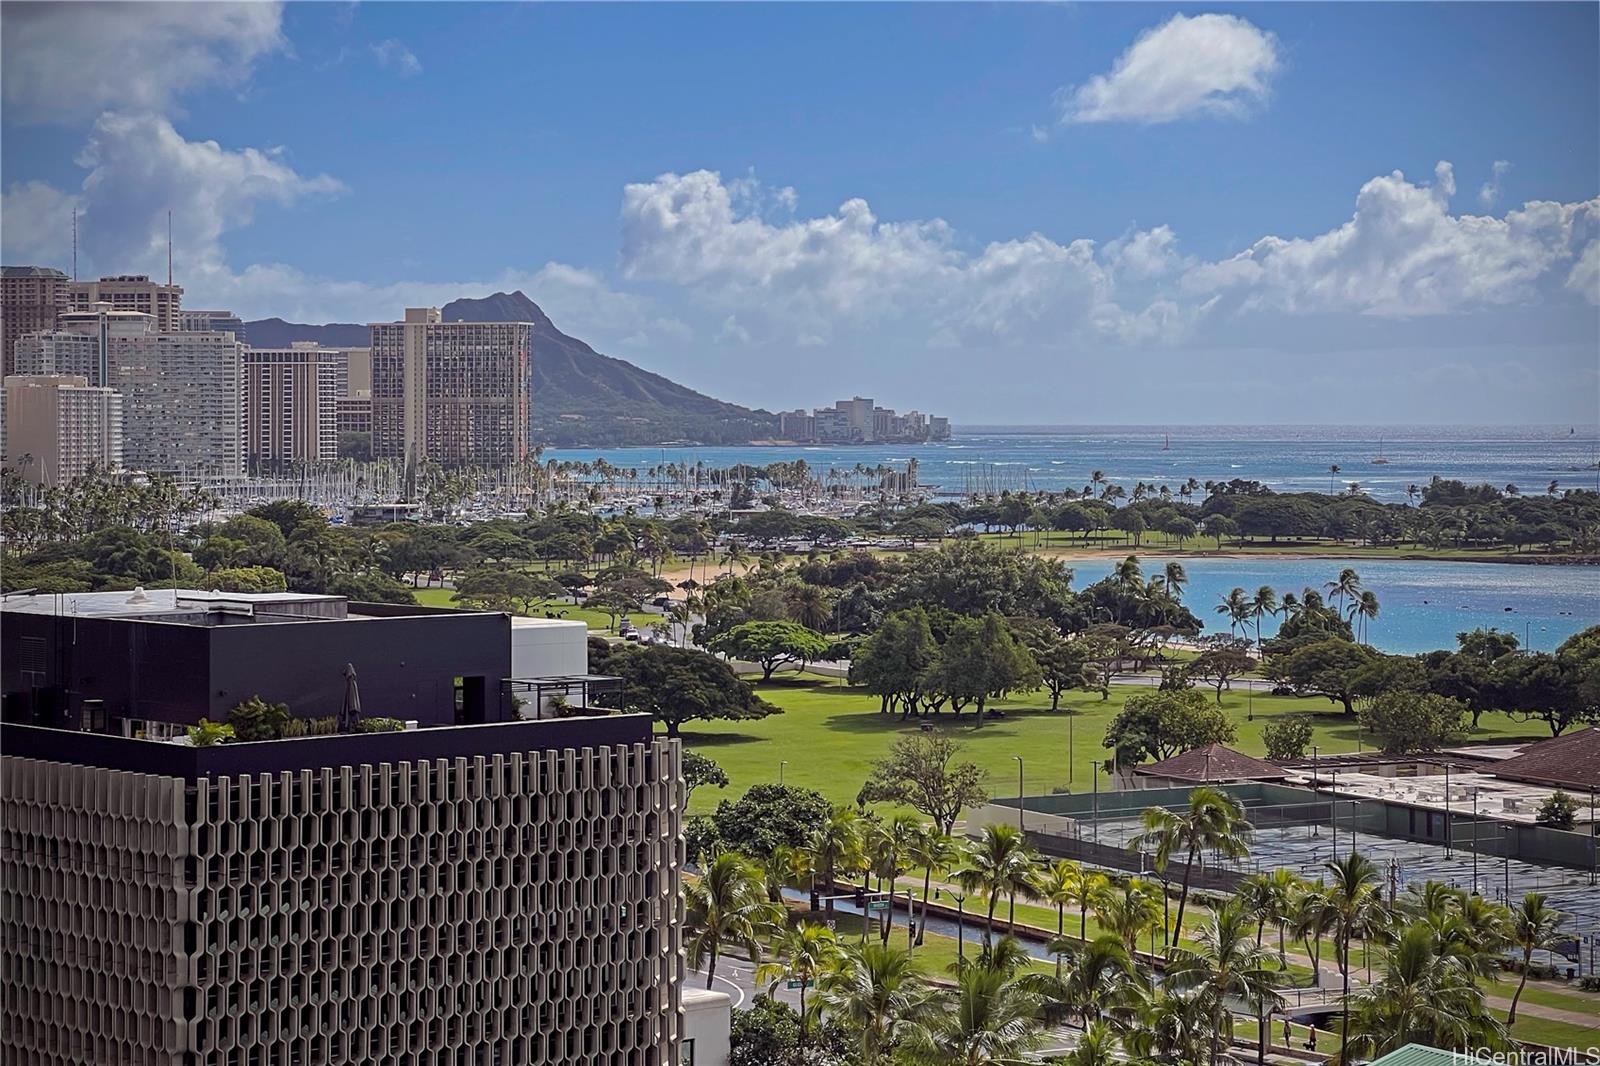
column 74, row 242
column 169, row 247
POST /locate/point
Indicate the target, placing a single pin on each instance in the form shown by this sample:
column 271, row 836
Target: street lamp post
column 1333, row 811
column 1507, row 838
column 1096, row 775
column 1022, row 802
column 1447, row 833
column 1474, row 841
column 961, row 923
column 1314, row 789
column 781, row 764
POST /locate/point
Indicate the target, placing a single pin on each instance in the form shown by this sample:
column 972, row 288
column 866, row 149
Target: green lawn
column 562, row 608
column 830, row 733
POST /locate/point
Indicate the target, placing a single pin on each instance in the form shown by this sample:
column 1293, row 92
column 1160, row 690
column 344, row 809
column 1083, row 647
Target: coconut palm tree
column 892, row 857
column 1054, row 885
column 999, row 863
column 874, row 990
column 1098, row 1046
column 835, row 847
column 1264, row 603
column 1354, row 908
column 1236, row 605
column 1214, row 821
column 1424, row 996
column 1309, row 922
column 1160, row 836
column 1228, row 967
column 1176, row 578
column 1127, row 910
column 1534, row 924
column 1100, row 976
column 1270, row 899
column 1366, row 606
column 1347, row 587
column 727, row 905
column 802, row 952
column 990, row 1018
column 931, row 850
column 809, row 606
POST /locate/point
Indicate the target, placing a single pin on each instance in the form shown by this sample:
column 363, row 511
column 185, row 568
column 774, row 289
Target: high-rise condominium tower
column 452, row 392
column 57, row 426
column 131, row 292
column 30, row 299
column 180, row 395
column 479, row 887
column 291, row 401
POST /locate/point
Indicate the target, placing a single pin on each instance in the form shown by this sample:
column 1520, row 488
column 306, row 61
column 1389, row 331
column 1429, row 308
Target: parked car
column 633, row 636
column 1282, row 690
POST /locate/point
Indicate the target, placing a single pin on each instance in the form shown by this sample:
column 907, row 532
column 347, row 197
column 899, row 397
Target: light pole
column 1095, row 773
column 1022, row 802
column 1333, row 811
column 1474, row 841
column 1507, row 837
column 961, row 922
column 1069, row 748
column 1314, row 789
column 1447, row 841
column 781, row 764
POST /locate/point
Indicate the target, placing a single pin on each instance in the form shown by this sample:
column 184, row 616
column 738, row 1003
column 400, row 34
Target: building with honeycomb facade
column 496, row 892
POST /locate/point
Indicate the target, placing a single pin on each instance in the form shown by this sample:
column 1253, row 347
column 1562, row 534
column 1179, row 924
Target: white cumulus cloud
column 1402, row 254
column 61, row 62
column 1200, row 65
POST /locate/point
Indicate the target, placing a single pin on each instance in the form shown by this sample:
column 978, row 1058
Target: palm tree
column 1309, row 919
column 1160, row 836
column 999, row 864
column 1264, row 603
column 932, row 850
column 803, row 951
column 875, row 990
column 1534, row 924
column 1228, row 966
column 990, row 1018
column 1367, row 608
column 1098, row 1046
column 727, row 904
column 1100, row 976
column 1054, row 885
column 892, row 857
column 1424, row 996
column 1333, row 473
column 1269, row 898
column 1236, row 605
column 1347, row 587
column 1214, row 821
column 1127, row 910
column 835, row 847
column 1176, row 578
column 809, row 606
column 1354, row 908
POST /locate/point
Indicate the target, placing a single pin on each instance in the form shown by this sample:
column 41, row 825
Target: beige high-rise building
column 131, row 292
column 31, row 298
column 291, row 404
column 453, row 392
column 58, row 426
column 181, row 401
column 81, row 343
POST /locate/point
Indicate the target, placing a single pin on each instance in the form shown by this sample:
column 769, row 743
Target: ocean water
column 1285, row 458
column 1423, row 605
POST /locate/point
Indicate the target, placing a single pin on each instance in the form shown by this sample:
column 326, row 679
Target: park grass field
column 561, row 608
column 830, row 733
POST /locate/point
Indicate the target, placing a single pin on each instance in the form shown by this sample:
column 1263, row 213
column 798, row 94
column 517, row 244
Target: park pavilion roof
column 1214, row 763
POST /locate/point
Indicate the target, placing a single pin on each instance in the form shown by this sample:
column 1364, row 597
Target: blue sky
column 1029, row 213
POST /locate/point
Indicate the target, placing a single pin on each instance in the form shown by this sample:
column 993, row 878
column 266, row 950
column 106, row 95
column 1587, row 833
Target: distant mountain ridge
column 580, row 397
